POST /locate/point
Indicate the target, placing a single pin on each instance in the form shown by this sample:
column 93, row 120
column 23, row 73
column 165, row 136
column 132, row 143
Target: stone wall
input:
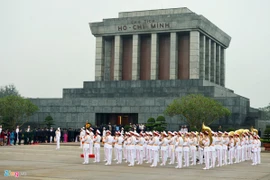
column 147, row 98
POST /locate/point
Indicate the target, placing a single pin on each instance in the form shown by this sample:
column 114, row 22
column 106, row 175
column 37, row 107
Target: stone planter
column 266, row 146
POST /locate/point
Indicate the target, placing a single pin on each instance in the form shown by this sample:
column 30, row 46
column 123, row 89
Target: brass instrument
column 208, row 129
column 254, row 130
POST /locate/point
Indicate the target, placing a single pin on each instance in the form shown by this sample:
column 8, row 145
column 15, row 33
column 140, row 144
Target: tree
column 196, row 109
column 16, row 110
column 160, row 124
column 265, row 112
column 150, row 123
column 49, row 121
column 8, row 90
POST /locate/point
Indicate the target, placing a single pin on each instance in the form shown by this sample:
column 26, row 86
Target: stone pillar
column 217, row 64
column 222, row 67
column 194, row 55
column 118, row 58
column 202, row 56
column 154, row 56
column 99, row 66
column 135, row 57
column 207, row 59
column 173, row 56
column 107, row 59
column 213, row 62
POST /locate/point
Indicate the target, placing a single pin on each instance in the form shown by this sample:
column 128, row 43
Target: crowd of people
column 182, row 148
column 37, row 135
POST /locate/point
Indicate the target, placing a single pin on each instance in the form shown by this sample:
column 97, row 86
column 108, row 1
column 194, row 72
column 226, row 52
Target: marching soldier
column 86, row 140
column 96, row 141
column 58, row 136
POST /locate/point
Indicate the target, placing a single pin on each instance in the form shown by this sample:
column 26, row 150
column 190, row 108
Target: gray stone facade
column 147, row 98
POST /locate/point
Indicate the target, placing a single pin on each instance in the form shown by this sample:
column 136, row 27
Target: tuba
column 208, row 129
column 254, row 130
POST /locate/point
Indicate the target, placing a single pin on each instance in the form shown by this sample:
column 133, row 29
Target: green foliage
column 230, row 129
column 8, row 90
column 127, row 128
column 265, row 140
column 16, row 110
column 49, row 121
column 193, row 129
column 197, row 109
column 150, row 124
column 160, row 124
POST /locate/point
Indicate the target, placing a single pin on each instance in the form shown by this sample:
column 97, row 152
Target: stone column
column 202, row 56
column 173, row 56
column 107, row 59
column 213, row 62
column 118, row 58
column 99, row 66
column 222, row 67
column 207, row 59
column 194, row 56
column 217, row 64
column 154, row 56
column 135, row 57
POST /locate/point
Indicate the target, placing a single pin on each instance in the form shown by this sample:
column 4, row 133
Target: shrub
column 267, row 133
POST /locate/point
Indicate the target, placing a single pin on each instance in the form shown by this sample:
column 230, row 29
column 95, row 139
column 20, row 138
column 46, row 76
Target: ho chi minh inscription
column 143, row 25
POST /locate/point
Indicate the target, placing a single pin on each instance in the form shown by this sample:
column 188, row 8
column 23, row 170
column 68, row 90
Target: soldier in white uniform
column 140, row 147
column 132, row 142
column 91, row 142
column 186, row 149
column 259, row 150
column 193, row 143
column 17, row 132
column 200, row 148
column 171, row 148
column 82, row 134
column 155, row 149
column 86, row 140
column 96, row 140
column 164, row 148
column 58, row 135
column 225, row 148
column 206, row 149
column 179, row 149
column 108, row 142
column 219, row 147
column 231, row 149
column 119, row 147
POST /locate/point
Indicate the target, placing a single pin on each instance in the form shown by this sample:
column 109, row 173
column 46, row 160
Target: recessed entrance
column 116, row 118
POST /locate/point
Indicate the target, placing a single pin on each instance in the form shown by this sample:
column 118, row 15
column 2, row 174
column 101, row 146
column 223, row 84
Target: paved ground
column 44, row 162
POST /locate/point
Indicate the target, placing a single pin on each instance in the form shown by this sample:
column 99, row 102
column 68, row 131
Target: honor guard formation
column 182, row 149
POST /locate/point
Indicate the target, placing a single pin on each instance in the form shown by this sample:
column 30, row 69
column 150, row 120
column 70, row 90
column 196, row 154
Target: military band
column 208, row 148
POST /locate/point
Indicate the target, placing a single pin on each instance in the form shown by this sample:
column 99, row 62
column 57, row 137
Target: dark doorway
column 121, row 119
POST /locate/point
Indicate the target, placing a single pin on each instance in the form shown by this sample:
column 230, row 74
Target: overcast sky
column 47, row 45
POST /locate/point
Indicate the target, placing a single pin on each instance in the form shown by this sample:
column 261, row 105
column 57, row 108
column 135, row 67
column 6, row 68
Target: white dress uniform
column 58, row 135
column 155, row 149
column 86, row 140
column 219, row 147
column 119, row 148
column 225, row 150
column 243, row 148
column 186, row 151
column 206, row 151
column 82, row 134
column 140, row 149
column 91, row 142
column 237, row 150
column 132, row 150
column 164, row 151
column 259, row 151
column 179, row 151
column 231, row 150
column 108, row 143
column 213, row 153
column 193, row 143
column 171, row 149
column 96, row 141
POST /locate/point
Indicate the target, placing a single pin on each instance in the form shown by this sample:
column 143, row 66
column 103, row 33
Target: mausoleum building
column 144, row 60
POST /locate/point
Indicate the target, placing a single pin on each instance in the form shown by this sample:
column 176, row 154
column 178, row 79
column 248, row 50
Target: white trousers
column 109, row 156
column 91, row 148
column 186, row 158
column 86, row 155
column 58, row 143
column 119, row 155
column 155, row 158
column 97, row 154
column 179, row 157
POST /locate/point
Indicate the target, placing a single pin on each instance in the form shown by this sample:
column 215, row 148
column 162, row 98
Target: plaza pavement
column 45, row 162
